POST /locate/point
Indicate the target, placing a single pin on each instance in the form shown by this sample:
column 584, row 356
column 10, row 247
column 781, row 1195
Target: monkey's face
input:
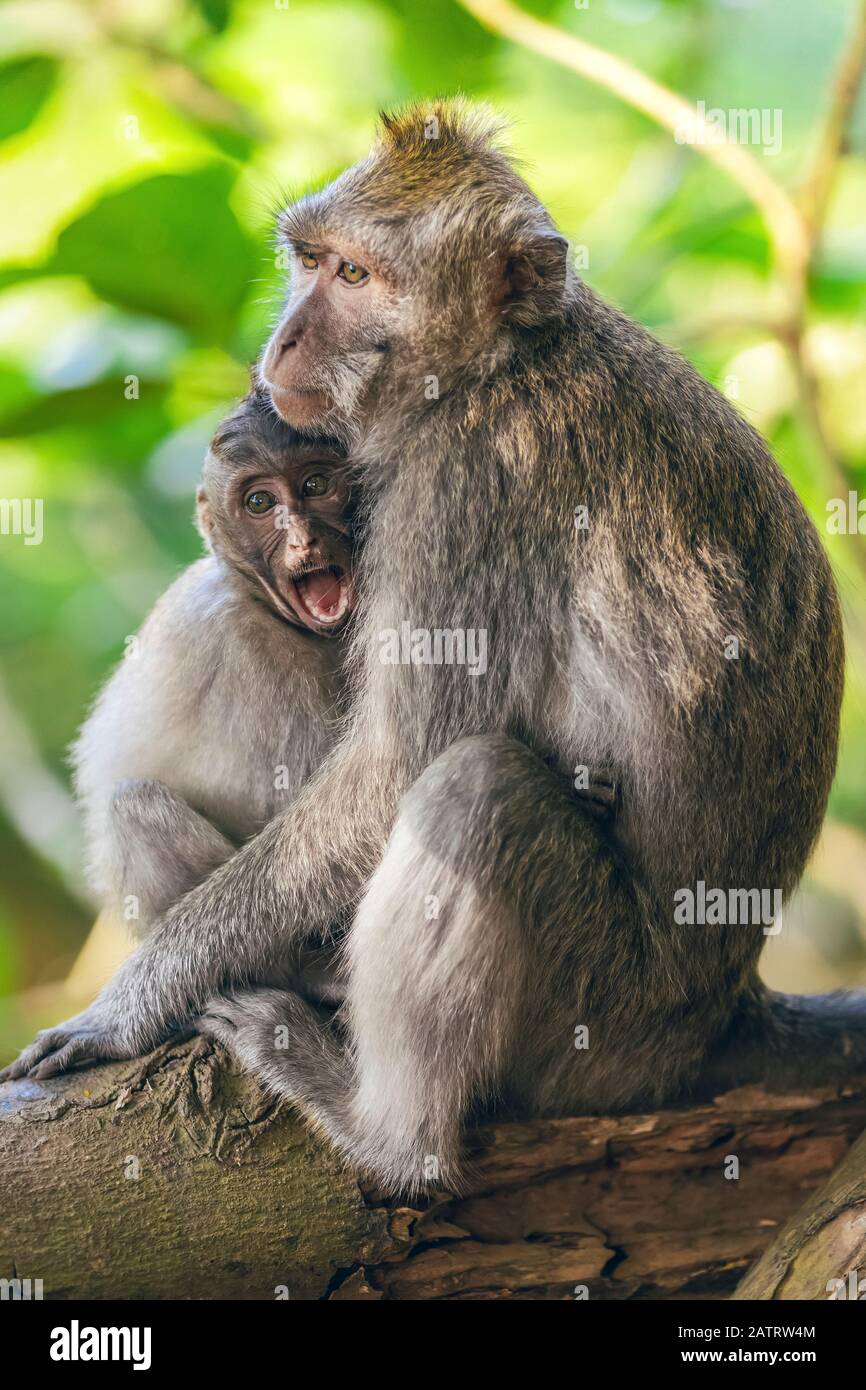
column 278, row 509
column 294, row 527
column 340, row 323
column 419, row 264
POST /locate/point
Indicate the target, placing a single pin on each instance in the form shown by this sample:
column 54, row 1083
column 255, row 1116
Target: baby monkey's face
column 294, row 523
column 278, row 508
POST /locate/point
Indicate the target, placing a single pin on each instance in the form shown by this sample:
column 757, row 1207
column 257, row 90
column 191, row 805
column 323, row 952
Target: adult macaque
column 654, row 599
column 229, row 697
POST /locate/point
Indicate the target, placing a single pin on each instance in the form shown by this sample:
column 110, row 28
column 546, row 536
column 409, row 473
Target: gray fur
column 218, row 694
column 607, row 645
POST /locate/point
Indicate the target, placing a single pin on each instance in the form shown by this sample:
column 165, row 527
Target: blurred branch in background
column 794, row 227
column 180, row 78
column 689, row 125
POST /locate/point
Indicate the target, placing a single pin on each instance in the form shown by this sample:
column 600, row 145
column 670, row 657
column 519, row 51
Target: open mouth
column 322, row 597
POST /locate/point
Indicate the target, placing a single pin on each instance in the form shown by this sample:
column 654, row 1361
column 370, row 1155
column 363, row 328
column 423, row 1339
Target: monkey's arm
column 294, row 879
column 142, row 760
column 155, row 849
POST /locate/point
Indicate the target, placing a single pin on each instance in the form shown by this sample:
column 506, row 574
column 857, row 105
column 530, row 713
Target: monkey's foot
column 226, row 1017
column 258, row 1028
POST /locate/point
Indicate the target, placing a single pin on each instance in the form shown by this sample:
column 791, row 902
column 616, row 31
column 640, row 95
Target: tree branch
column 784, row 220
column 844, row 91
column 794, row 227
column 174, row 1176
column 824, row 1241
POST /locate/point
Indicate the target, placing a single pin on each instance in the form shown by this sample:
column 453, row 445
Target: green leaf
column 25, row 85
column 120, row 433
column 440, row 48
column 18, row 274
column 216, row 13
column 170, row 246
column 15, row 389
column 228, row 140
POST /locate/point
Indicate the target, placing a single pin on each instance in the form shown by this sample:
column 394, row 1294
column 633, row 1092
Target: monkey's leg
column 158, row 849
column 464, row 968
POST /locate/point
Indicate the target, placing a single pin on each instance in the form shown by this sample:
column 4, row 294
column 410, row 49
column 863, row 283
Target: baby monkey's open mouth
column 321, row 597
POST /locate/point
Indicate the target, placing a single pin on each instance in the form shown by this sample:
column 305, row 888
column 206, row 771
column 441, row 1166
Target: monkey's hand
column 107, row 1029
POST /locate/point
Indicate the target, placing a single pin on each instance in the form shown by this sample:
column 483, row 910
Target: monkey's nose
column 300, row 542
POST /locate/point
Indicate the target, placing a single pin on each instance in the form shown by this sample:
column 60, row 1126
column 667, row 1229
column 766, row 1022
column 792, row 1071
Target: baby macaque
column 229, row 697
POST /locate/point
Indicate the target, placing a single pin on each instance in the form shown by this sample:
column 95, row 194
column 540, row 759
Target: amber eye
column 309, row 261
column 351, row 273
column 260, row 502
column 317, row 485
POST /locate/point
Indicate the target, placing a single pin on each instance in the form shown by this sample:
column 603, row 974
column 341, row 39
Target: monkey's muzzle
column 322, row 598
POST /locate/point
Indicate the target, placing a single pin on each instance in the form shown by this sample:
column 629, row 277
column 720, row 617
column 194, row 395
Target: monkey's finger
column 219, row 1022
column 45, row 1043
column 214, row 1024
column 227, row 1008
column 78, row 1050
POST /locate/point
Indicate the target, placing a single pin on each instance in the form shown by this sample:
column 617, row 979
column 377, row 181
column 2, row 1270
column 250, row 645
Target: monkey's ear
column 534, row 277
column 203, row 518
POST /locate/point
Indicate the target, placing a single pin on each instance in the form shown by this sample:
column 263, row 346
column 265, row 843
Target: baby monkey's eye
column 351, row 273
column 260, row 502
column 317, row 485
column 309, row 261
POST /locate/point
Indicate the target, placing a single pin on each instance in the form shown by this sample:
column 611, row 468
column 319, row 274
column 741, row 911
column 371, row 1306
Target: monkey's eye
column 351, row 273
column 309, row 261
column 317, row 485
column 260, row 502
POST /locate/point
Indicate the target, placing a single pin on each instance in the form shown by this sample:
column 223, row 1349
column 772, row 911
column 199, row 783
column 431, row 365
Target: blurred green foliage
column 144, row 146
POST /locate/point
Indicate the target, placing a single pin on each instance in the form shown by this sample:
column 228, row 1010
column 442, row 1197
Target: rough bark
column 824, row 1241
column 174, row 1177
